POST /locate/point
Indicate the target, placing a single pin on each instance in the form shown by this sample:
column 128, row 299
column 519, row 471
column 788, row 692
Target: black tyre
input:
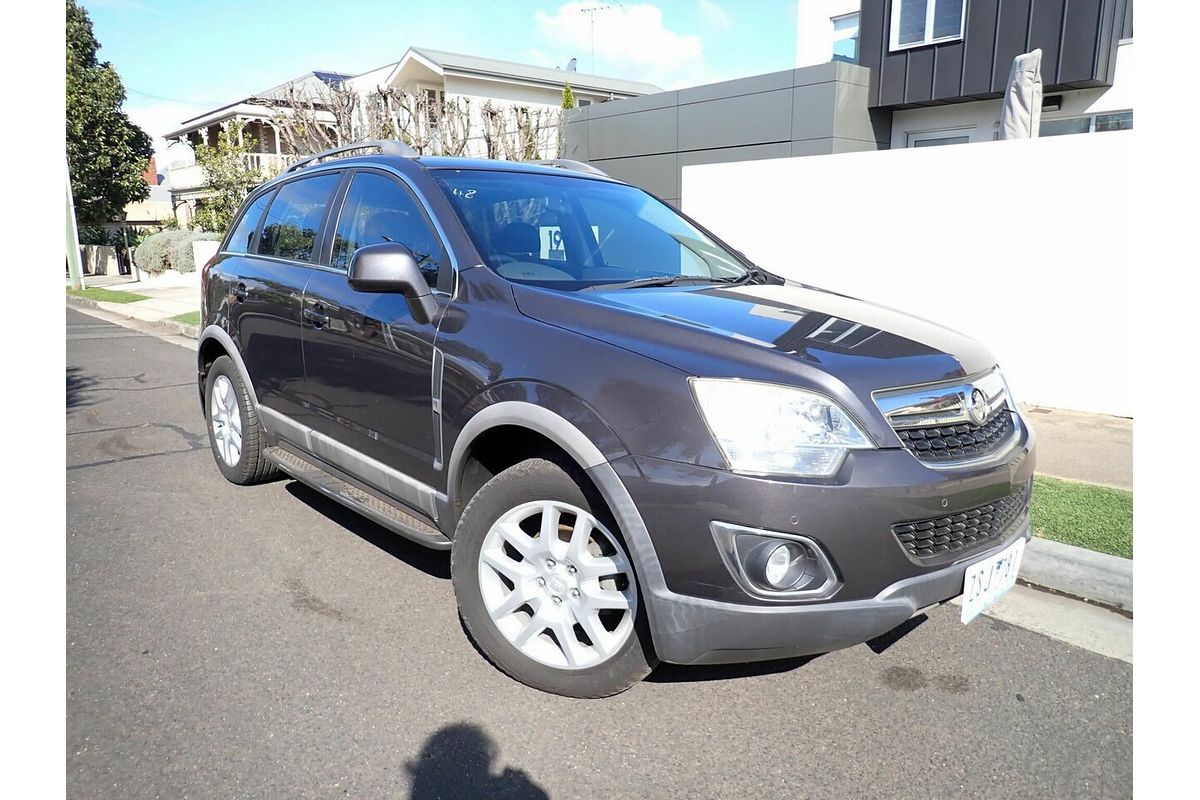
column 545, row 585
column 234, row 431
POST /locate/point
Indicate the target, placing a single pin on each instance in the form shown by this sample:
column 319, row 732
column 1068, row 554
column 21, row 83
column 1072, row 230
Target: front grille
column 958, row 442
column 933, row 538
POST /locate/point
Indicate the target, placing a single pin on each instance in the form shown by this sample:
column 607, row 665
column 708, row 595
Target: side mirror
column 391, row 267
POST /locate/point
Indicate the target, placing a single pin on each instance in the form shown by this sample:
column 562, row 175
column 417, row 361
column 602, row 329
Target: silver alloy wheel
column 564, row 595
column 225, row 417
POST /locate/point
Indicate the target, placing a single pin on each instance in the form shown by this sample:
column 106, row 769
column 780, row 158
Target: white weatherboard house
column 188, row 186
column 446, row 76
column 439, row 75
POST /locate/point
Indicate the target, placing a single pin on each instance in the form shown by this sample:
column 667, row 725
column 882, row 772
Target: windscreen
column 571, row 233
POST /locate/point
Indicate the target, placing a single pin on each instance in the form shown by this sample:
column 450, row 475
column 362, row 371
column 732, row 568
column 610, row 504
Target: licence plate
column 986, row 581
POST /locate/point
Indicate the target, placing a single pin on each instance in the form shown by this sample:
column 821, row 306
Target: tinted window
column 243, row 232
column 294, row 218
column 573, row 232
column 379, row 209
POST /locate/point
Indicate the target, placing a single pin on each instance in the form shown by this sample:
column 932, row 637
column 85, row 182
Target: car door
column 267, row 286
column 368, row 363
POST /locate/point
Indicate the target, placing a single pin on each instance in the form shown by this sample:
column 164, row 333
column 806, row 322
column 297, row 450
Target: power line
column 131, row 90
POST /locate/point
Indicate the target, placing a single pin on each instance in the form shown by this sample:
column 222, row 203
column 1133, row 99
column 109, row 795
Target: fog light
column 780, row 566
column 777, row 566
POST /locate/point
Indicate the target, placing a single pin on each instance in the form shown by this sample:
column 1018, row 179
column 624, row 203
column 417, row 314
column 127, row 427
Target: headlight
column 767, row 429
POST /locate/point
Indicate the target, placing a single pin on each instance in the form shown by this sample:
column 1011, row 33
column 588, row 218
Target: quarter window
column 921, row 22
column 294, row 218
column 243, row 233
column 377, row 210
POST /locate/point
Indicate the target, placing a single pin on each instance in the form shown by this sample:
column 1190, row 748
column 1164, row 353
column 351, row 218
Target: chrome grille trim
column 947, row 403
column 943, row 403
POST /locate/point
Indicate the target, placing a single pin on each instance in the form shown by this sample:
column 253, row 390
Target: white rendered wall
column 1023, row 245
column 983, row 116
column 814, row 29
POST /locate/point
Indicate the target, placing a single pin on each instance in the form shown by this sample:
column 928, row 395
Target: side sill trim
column 375, row 473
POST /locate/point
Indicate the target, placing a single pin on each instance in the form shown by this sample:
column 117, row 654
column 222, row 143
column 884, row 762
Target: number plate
column 986, row 581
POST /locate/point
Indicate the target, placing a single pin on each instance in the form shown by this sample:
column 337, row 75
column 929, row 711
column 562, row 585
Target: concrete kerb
column 1075, row 571
column 167, row 325
column 1079, row 572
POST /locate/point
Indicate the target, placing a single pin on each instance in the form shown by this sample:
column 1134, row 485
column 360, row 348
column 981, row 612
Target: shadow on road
column 78, row 384
column 680, row 673
column 457, row 762
column 431, row 562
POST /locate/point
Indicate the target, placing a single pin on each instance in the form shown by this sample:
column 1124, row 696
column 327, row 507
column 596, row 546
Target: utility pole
column 73, row 266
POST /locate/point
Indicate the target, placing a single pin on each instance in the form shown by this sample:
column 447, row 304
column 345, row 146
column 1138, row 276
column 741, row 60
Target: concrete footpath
column 167, row 297
column 1093, row 448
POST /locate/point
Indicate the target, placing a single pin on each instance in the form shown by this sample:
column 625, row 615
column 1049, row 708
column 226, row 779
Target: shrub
column 151, row 254
column 170, row 249
column 180, row 254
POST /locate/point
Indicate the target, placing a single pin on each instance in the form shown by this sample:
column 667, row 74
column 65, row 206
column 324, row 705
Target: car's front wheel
column 545, row 586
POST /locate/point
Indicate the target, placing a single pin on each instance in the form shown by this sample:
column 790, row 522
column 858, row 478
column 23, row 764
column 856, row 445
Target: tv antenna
column 591, row 11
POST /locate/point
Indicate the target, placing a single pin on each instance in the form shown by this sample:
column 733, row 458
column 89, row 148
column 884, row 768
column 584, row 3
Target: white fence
column 1022, row 245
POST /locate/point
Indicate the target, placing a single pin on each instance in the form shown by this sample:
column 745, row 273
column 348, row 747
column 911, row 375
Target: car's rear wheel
column 234, row 431
column 545, row 586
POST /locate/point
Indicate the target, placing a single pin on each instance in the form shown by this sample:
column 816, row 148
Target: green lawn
column 190, row 318
column 107, row 295
column 1084, row 515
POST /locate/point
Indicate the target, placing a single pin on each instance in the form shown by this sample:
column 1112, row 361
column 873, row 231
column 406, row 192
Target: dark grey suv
column 636, row 445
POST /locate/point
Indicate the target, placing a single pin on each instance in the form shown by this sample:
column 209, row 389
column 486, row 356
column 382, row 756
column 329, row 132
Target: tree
column 228, row 173
column 310, row 120
column 568, row 103
column 106, row 153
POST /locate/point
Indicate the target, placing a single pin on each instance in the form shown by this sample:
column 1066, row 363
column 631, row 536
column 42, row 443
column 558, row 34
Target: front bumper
column 700, row 631
column 700, row 614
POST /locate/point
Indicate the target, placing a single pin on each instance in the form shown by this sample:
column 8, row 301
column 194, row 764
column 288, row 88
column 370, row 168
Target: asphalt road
column 227, row 642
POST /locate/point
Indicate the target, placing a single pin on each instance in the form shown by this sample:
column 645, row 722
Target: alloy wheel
column 226, row 419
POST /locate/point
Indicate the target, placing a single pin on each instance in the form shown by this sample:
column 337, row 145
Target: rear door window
column 293, row 221
column 242, row 238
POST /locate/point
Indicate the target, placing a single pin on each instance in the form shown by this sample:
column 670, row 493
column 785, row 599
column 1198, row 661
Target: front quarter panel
column 622, row 401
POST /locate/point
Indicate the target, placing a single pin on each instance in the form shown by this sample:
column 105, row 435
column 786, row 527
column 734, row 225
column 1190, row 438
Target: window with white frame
column 1096, row 123
column 920, row 22
column 433, row 101
column 938, row 138
column 845, row 38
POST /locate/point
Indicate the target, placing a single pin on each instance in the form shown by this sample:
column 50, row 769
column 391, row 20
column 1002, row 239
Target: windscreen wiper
column 656, row 280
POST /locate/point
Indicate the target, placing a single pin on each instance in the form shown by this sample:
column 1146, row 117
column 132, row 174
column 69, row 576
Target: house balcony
column 189, row 177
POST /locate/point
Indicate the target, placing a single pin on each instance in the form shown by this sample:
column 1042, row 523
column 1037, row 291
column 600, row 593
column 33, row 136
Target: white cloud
column 158, row 118
column 714, row 15
column 631, row 42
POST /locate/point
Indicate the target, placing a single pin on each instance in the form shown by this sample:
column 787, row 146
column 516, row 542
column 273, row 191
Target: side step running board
column 386, row 513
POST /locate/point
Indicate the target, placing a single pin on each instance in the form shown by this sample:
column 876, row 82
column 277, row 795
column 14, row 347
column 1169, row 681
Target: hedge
column 169, row 249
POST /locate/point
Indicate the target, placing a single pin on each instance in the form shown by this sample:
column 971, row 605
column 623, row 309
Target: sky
column 180, row 58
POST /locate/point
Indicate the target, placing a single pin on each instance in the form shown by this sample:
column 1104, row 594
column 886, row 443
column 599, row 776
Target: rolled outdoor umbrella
column 1021, row 115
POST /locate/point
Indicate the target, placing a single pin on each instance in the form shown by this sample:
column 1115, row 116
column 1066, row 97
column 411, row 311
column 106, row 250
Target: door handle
column 316, row 316
column 239, row 292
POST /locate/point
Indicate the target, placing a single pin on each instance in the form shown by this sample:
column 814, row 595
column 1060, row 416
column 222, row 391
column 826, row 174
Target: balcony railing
column 191, row 176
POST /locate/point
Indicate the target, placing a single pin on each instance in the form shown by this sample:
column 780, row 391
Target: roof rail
column 566, row 163
column 389, row 147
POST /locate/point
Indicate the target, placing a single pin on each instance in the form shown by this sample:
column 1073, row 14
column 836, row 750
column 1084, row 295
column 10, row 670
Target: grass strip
column 1084, row 515
column 107, row 295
